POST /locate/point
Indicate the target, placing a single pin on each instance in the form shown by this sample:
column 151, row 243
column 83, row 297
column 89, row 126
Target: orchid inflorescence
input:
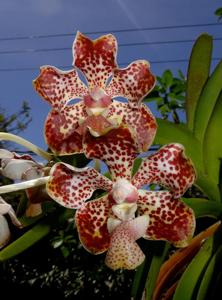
column 115, row 132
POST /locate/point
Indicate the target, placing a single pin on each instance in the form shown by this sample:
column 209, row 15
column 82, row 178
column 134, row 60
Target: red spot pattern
column 123, row 251
column 168, row 167
column 71, row 187
column 91, row 221
column 116, row 148
column 170, row 219
column 96, row 59
column 58, row 87
column 140, row 120
column 60, row 129
column 133, row 82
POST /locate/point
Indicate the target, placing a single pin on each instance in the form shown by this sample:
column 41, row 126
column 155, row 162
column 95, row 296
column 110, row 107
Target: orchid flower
column 115, row 221
column 97, row 111
column 5, row 234
column 23, row 167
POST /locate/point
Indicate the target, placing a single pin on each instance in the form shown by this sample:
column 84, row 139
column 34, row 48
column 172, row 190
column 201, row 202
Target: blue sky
column 45, row 17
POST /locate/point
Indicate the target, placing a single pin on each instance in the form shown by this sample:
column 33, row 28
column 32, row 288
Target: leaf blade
column 198, row 72
column 207, row 102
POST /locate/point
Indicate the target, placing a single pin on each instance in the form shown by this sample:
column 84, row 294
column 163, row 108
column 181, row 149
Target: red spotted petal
column 170, row 219
column 58, row 87
column 168, row 167
column 91, row 222
column 96, row 59
column 71, row 186
column 123, row 251
column 116, row 148
column 134, row 82
column 139, row 119
column 61, row 129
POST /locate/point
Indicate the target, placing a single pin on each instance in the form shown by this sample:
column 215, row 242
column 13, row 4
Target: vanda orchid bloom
column 97, row 112
column 23, row 167
column 115, row 221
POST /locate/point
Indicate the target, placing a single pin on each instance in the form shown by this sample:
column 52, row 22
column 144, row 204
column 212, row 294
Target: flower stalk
column 19, row 140
column 23, row 185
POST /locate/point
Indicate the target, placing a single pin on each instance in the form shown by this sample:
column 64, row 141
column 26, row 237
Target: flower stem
column 23, row 185
column 14, row 138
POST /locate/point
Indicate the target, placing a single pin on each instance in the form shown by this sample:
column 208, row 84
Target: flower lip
column 124, row 191
column 124, row 211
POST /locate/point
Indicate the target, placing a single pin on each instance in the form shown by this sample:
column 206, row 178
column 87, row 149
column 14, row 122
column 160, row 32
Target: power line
column 121, row 64
column 21, row 51
column 31, row 37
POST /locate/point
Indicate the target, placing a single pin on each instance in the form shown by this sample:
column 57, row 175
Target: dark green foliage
column 218, row 13
column 169, row 95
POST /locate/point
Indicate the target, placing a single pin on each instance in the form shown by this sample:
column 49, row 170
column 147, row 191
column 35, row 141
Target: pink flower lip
column 97, row 98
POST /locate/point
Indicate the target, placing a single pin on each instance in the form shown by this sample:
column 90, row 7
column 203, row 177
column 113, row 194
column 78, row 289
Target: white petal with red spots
column 91, row 221
column 134, row 82
column 59, row 87
column 71, row 186
column 170, row 219
column 140, row 121
column 168, row 167
column 61, row 129
column 116, row 148
column 95, row 58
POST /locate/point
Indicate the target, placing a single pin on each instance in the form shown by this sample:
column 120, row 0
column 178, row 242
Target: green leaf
column 207, row 102
column 208, row 186
column 154, row 269
column 218, row 12
column 152, row 99
column 191, row 276
column 198, row 72
column 208, row 277
column 212, row 145
column 28, row 239
column 195, row 270
column 164, row 109
column 203, row 207
column 136, row 286
column 136, row 165
column 167, row 78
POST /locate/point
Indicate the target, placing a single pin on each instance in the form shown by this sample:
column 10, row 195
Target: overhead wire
column 183, row 60
column 33, row 50
column 31, row 37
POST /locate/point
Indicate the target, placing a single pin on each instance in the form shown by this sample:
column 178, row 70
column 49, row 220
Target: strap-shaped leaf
column 177, row 261
column 212, row 147
column 194, row 272
column 156, row 263
column 207, row 102
column 198, row 72
column 208, row 278
column 203, row 207
column 28, row 239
